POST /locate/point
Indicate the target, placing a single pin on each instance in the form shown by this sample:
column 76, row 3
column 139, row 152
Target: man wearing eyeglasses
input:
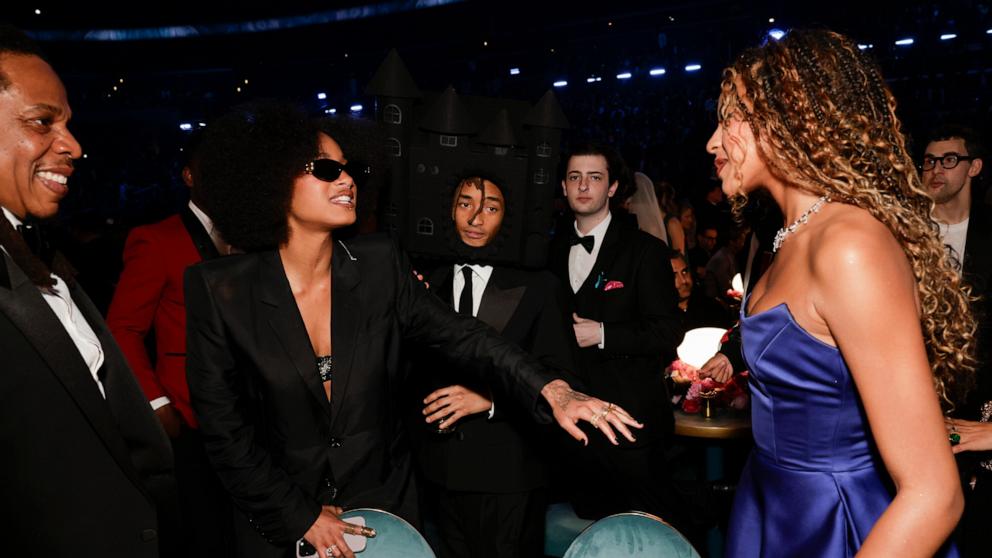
column 950, row 165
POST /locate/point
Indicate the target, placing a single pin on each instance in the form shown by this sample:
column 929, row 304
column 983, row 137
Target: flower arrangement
column 732, row 393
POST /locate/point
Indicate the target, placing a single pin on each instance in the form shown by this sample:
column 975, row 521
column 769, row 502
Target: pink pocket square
column 610, row 285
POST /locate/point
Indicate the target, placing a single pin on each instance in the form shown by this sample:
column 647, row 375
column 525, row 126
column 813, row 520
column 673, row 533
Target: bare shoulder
column 855, row 256
column 851, row 238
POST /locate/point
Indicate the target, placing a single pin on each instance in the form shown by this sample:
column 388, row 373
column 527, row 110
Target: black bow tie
column 587, row 242
column 38, row 239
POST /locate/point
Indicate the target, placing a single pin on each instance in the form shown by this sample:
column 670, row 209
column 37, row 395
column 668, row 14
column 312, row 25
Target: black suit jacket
column 977, row 273
column 642, row 321
column 502, row 454
column 81, row 475
column 278, row 445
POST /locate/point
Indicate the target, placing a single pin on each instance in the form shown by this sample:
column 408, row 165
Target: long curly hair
column 825, row 122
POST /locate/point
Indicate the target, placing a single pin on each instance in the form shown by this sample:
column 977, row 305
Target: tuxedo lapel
column 200, row 236
column 346, row 317
column 26, row 308
column 442, row 284
column 278, row 307
column 499, row 300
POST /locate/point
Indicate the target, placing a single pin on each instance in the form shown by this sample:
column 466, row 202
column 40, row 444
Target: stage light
column 356, row 108
column 657, row 72
column 776, row 34
column 624, row 75
column 948, row 36
column 330, row 111
column 321, row 96
column 560, row 83
column 238, row 89
column 904, row 42
column 185, row 126
column 988, row 31
column 864, row 46
column 37, row 12
column 771, row 20
column 202, row 124
column 86, row 156
column 514, row 71
column 693, row 67
column 121, row 80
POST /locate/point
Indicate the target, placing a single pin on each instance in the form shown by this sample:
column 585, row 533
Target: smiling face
column 735, row 156
column 477, row 209
column 320, row 205
column 36, row 148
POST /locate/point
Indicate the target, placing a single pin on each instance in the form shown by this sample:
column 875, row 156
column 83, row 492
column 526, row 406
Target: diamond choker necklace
column 784, row 232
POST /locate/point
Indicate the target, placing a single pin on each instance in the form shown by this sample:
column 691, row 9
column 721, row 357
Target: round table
column 725, row 424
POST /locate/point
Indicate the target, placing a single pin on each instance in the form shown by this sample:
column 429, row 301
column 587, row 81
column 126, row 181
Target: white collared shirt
column 480, row 278
column 580, row 263
column 223, row 248
column 79, row 330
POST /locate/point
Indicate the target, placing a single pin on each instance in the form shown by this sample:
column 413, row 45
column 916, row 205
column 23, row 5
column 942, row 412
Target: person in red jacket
column 149, row 301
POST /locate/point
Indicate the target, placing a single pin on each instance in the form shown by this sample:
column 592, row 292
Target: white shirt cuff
column 160, row 402
column 602, row 336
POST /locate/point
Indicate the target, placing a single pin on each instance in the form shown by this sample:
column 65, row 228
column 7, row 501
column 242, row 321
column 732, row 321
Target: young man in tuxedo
column 626, row 323
column 87, row 470
column 487, row 462
column 149, row 300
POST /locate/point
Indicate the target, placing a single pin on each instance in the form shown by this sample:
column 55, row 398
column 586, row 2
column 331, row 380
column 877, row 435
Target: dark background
column 132, row 136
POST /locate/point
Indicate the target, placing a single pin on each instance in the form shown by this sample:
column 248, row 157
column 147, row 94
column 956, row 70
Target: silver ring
column 331, row 550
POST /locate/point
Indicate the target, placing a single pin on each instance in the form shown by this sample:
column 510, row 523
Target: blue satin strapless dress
column 814, row 485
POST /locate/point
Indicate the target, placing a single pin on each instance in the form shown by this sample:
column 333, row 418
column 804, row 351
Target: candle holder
column 708, row 397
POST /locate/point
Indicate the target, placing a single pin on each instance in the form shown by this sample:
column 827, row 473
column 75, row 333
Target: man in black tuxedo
column 86, row 468
column 487, row 460
column 621, row 296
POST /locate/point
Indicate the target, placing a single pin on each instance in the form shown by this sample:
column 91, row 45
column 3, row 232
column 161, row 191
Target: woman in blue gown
column 858, row 332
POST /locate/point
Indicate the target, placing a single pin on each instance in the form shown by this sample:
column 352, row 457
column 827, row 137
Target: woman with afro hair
column 294, row 347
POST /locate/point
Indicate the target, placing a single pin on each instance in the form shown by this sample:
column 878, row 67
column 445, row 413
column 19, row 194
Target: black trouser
column 484, row 525
column 204, row 504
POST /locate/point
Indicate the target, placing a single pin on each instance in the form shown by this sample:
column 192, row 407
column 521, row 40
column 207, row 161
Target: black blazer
column 81, row 475
column 642, row 320
column 502, row 454
column 279, row 447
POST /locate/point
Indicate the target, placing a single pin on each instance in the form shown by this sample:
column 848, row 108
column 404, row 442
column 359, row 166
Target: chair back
column 631, row 535
column 395, row 538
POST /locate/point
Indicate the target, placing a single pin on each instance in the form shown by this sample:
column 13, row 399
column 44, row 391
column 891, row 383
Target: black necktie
column 465, row 300
column 587, row 242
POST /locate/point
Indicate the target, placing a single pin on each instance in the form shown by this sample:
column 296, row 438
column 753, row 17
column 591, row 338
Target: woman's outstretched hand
column 570, row 406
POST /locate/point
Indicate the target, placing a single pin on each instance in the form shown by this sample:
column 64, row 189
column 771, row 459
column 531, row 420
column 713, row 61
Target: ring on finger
column 331, row 551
